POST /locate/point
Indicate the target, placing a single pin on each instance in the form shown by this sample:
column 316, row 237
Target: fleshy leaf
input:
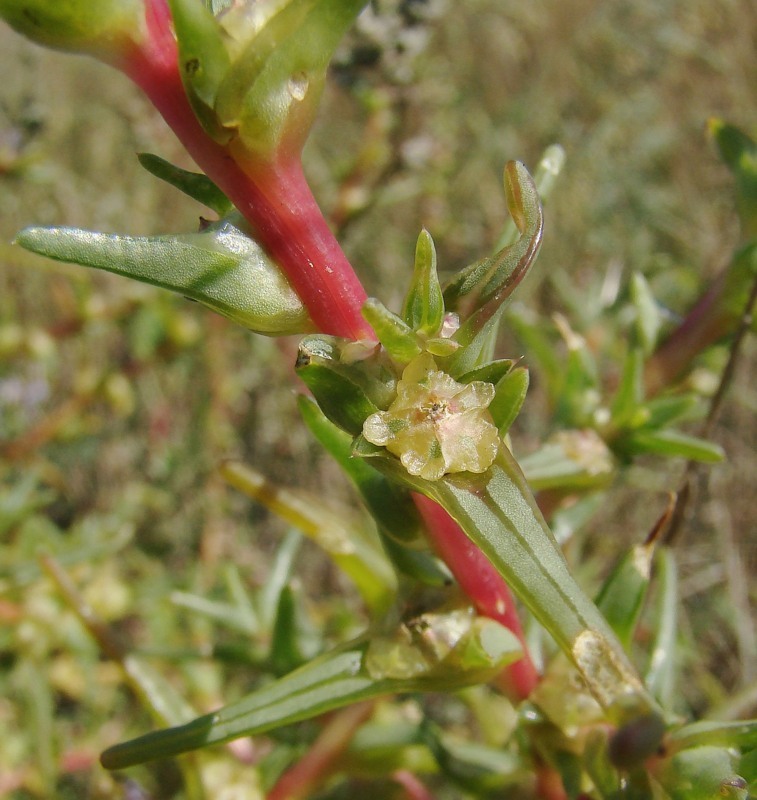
column 661, row 411
column 347, row 391
column 270, row 93
column 398, row 338
column 739, row 152
column 221, row 267
column 203, row 60
column 492, row 372
column 648, row 318
column 661, row 673
column 423, row 309
column 630, row 393
column 484, row 286
column 194, row 184
column 741, row 734
column 623, row 593
column 107, row 29
column 571, row 459
column 545, row 177
column 286, row 653
column 702, row 773
column 331, row 681
column 672, row 443
column 509, row 396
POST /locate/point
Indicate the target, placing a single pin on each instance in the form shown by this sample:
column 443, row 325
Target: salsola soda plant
column 415, row 406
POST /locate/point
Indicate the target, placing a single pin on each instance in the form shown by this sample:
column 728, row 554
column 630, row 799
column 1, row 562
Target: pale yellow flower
column 436, row 425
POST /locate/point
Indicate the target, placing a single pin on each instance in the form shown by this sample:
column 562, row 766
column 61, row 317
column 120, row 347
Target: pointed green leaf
column 342, row 400
column 277, row 579
column 490, row 373
column 648, row 317
column 423, row 309
column 630, row 394
column 739, row 152
column 739, row 279
column 203, row 61
column 286, row 653
column 194, row 184
column 623, row 593
column 510, row 395
column 661, row 411
column 476, row 346
column 331, row 681
column 661, row 673
column 398, row 338
column 485, row 285
column 570, row 460
column 222, row 267
column 741, row 734
column 672, row 443
column 348, row 391
column 577, row 395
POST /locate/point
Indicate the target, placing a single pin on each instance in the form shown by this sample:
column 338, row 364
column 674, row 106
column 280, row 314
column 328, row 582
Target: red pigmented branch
column 301, row 780
column 414, row 789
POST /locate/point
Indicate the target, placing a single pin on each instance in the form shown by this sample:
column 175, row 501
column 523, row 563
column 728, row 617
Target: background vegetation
column 117, row 401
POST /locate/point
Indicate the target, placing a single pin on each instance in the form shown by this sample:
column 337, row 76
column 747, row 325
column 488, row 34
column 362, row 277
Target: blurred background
column 118, row 401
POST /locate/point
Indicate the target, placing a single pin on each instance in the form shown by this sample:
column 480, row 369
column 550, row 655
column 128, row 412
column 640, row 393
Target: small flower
column 436, row 425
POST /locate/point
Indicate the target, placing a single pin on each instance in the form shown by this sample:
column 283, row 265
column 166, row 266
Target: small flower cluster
column 436, row 425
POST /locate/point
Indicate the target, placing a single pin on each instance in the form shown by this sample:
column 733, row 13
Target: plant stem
column 308, row 774
column 272, row 195
column 414, row 789
column 702, row 327
column 483, row 585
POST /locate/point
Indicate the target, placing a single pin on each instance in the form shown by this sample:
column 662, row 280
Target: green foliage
column 221, row 267
column 106, row 29
column 240, row 631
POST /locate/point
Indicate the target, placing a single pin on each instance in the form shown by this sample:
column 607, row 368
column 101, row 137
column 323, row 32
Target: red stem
column 273, row 196
column 320, row 761
column 483, row 584
column 414, row 789
column 704, row 325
